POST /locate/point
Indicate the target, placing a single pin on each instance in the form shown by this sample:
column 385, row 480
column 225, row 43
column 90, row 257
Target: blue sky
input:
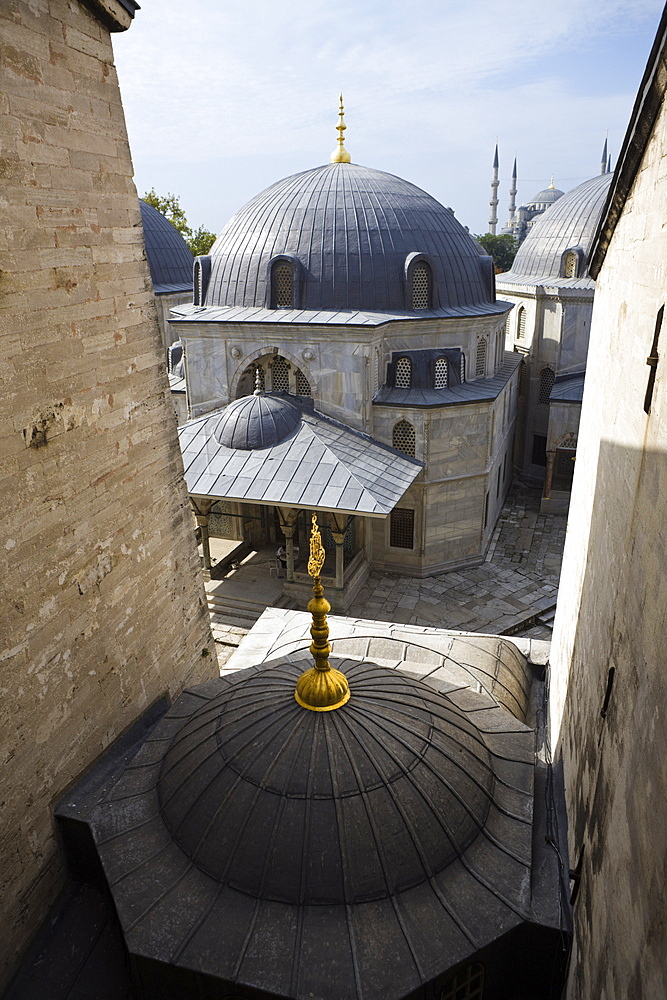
column 223, row 99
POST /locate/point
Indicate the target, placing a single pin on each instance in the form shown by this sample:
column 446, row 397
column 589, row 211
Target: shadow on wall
column 613, row 734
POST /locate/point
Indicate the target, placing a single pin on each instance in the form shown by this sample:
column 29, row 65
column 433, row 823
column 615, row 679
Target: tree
column 200, row 241
column 502, row 248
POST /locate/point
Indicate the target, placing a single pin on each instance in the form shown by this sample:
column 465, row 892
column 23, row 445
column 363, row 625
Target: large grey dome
column 169, row 257
column 570, row 222
column 256, row 421
column 350, row 231
column 545, row 198
column 326, row 807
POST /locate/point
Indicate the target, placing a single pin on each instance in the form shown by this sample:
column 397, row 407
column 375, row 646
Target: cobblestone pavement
column 512, row 592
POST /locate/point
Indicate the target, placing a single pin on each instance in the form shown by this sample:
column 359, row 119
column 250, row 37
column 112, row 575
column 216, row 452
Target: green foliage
column 502, row 248
column 200, row 240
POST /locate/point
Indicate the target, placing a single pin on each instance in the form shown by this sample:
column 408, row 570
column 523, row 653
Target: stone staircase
column 233, row 617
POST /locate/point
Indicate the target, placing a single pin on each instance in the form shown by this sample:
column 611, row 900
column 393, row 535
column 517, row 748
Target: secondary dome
column 256, row 421
column 339, row 807
column 545, row 198
column 348, row 232
column 169, row 257
column 571, row 222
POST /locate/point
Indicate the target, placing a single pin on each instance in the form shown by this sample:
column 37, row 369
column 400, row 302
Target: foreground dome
column 348, row 231
column 336, row 807
column 256, row 421
column 571, row 222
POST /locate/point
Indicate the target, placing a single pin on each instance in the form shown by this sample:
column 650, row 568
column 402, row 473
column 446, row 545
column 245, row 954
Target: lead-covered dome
column 340, row 807
column 169, row 257
column 256, row 421
column 569, row 224
column 350, row 234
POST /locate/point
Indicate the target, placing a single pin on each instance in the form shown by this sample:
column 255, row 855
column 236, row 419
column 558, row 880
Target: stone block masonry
column 103, row 608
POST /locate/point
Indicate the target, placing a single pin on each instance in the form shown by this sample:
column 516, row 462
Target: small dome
column 256, row 421
column 337, row 807
column 546, row 197
column 350, row 231
column 570, row 222
column 169, row 257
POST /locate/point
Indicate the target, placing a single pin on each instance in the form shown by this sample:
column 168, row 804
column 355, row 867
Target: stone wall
column 103, row 608
column 609, row 682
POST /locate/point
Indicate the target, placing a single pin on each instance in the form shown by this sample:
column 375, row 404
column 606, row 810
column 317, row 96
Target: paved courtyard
column 513, row 592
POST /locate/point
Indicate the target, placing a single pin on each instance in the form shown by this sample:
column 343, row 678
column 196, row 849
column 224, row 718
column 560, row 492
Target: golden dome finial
column 552, row 186
column 322, row 688
column 341, row 155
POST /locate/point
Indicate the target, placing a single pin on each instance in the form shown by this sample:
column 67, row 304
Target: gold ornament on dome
column 322, row 688
column 340, row 154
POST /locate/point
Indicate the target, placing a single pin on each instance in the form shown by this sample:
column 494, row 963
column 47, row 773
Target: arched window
column 403, row 437
column 198, row 283
column 403, row 375
column 570, row 265
column 462, row 368
column 480, row 361
column 441, row 373
column 302, row 384
column 521, row 325
column 547, row 379
column 282, row 286
column 279, row 375
column 421, row 286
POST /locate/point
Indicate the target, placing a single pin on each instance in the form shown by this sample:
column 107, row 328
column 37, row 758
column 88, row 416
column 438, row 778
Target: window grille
column 403, row 376
column 198, row 284
column 570, row 267
column 402, row 528
column 441, row 373
column 302, row 384
column 282, row 286
column 466, row 985
column 462, row 368
column 403, row 437
column 523, row 379
column 421, row 286
column 547, row 379
column 521, row 326
column 480, row 361
column 279, row 375
column 220, row 523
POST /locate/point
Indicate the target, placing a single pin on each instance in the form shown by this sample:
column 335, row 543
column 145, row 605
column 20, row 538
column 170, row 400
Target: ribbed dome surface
column 256, row 421
column 307, row 807
column 570, row 222
column 351, row 228
column 169, row 257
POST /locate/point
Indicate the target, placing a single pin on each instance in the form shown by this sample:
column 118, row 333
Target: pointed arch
column 403, row 437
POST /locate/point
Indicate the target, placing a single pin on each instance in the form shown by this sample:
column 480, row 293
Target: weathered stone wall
column 103, row 607
column 609, row 677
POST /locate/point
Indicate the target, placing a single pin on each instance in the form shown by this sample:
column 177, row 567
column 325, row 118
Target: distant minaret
column 604, row 161
column 512, row 196
column 493, row 220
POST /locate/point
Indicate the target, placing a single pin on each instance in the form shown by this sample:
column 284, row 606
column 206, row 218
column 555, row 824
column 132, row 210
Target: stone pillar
column 338, row 524
column 287, row 517
column 202, row 509
column 549, row 475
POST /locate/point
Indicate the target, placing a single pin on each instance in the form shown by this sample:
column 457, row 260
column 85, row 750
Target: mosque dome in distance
column 169, row 257
column 544, row 198
column 569, row 223
column 350, row 235
column 256, row 421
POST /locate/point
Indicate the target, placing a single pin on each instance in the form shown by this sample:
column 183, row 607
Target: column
column 287, row 517
column 202, row 510
column 549, row 475
column 338, row 524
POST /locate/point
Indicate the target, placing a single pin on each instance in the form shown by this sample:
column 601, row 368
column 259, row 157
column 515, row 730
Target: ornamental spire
column 340, row 155
column 322, row 688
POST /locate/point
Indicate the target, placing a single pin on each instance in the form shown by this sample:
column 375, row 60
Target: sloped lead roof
column 351, row 229
column 169, row 256
column 321, row 464
column 570, row 222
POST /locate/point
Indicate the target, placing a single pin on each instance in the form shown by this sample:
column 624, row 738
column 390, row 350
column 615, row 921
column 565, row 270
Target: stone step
column 235, row 612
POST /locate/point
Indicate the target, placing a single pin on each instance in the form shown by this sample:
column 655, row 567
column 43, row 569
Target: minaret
column 493, row 220
column 340, row 154
column 603, row 161
column 512, row 196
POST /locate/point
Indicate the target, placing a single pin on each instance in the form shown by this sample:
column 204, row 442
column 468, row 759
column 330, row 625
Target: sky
column 224, row 99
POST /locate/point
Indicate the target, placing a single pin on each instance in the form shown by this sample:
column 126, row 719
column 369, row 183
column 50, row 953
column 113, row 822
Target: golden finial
column 551, row 186
column 322, row 688
column 340, row 155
